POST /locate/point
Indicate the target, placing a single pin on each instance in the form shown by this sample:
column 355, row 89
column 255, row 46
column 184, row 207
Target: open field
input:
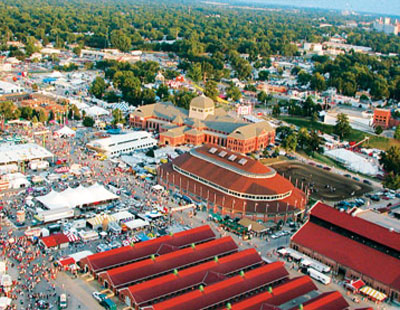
column 323, row 184
column 378, row 142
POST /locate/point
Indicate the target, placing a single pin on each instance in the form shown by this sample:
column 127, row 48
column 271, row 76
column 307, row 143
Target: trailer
column 316, row 275
column 55, row 215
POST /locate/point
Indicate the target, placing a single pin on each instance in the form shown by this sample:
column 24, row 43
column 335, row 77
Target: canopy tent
column 374, row 294
column 123, row 106
column 72, row 237
column 123, row 216
column 5, row 302
column 65, row 132
column 353, row 161
column 99, row 220
column 73, row 197
column 96, row 111
column 253, row 225
column 135, row 224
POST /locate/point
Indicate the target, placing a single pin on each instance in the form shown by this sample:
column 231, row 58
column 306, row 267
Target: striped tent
column 123, row 106
column 374, row 294
column 72, row 237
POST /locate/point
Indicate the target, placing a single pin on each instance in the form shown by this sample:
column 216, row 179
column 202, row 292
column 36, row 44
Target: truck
column 108, row 304
column 316, row 275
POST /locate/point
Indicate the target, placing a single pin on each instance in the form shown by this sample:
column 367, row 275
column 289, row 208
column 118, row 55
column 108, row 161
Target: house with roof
column 353, row 247
column 203, row 123
column 385, row 119
column 58, row 241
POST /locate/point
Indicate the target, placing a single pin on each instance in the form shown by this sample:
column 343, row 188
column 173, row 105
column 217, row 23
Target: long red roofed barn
column 353, row 247
column 121, row 256
column 218, row 294
column 232, row 183
column 148, row 292
column 130, row 274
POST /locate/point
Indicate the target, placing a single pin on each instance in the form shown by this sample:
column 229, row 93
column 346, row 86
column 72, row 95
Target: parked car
column 115, row 245
column 99, row 296
column 375, row 198
column 102, row 247
column 367, row 182
column 347, row 175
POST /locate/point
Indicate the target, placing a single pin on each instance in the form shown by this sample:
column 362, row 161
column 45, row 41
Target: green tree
column 118, row 117
column 42, row 116
column 182, row 98
column 120, row 41
column 289, row 143
column 314, row 142
column 303, row 78
column 98, row 87
column 378, row 130
column 318, row 82
column 276, row 110
column 211, row 89
column 77, row 50
column 397, row 133
column 303, row 137
column 34, row 119
column 263, row 75
column 163, row 92
column 390, row 160
column 342, row 127
column 194, row 72
column 233, row 92
column 88, row 121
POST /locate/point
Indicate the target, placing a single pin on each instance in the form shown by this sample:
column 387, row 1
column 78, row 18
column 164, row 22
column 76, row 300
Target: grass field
column 382, row 143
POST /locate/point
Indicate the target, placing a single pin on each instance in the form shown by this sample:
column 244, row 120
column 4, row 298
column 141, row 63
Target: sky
column 390, row 7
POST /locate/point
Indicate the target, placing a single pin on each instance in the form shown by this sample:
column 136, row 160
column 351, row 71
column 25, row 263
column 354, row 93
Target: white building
column 14, row 153
column 384, row 25
column 9, row 88
column 123, row 144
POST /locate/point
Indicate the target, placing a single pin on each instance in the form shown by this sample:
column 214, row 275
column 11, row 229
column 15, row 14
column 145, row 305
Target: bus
column 316, row 275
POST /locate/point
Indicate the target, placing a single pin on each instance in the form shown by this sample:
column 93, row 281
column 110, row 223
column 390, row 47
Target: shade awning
column 374, row 294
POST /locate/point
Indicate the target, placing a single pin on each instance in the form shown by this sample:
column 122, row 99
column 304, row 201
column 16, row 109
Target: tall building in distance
column 385, row 25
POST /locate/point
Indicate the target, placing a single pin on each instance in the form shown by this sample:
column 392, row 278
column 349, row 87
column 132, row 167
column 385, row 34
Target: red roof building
column 56, row 240
column 121, row 256
column 353, row 247
column 232, row 183
column 280, row 295
column 130, row 274
column 152, row 291
column 218, row 294
column 325, row 301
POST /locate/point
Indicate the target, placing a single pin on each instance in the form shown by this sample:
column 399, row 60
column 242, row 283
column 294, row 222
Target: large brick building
column 384, row 118
column 232, row 184
column 203, row 123
column 353, row 247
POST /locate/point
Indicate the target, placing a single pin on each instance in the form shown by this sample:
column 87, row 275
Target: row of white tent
column 354, row 161
column 74, row 197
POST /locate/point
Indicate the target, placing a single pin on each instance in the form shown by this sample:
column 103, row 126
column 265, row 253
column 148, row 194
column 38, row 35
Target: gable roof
column 357, row 225
column 201, row 274
column 325, row 301
column 352, row 254
column 223, row 291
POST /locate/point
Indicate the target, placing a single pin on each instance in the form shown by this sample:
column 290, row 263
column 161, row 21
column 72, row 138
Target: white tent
column 73, row 197
column 5, row 302
column 65, row 132
column 353, row 161
column 95, row 111
column 135, row 224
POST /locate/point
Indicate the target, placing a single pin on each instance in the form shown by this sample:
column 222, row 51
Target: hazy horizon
column 389, row 7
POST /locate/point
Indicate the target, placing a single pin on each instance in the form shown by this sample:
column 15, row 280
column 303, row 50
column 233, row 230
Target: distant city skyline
column 389, row 7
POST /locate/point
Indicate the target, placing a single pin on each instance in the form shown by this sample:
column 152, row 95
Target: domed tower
column 201, row 107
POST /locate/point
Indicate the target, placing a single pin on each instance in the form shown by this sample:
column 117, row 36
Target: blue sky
column 391, row 7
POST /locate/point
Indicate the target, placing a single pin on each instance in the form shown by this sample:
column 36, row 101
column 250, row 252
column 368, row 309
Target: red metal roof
column 55, row 240
column 129, row 274
column 251, row 165
column 280, row 294
column 193, row 276
column 231, row 180
column 124, row 255
column 361, row 258
column 357, row 225
column 225, row 290
column 325, row 301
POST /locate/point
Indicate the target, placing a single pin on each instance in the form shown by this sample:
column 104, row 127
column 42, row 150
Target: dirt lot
column 323, row 184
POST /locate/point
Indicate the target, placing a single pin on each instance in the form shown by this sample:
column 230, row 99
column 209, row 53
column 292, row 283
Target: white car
column 99, row 296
